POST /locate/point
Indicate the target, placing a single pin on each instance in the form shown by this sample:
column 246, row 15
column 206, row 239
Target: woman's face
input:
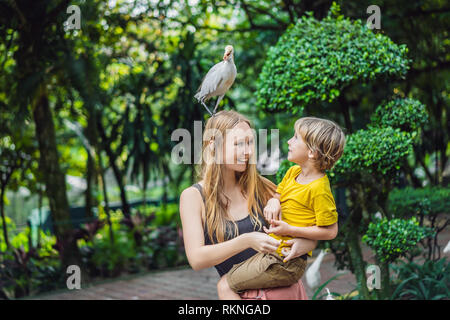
column 239, row 147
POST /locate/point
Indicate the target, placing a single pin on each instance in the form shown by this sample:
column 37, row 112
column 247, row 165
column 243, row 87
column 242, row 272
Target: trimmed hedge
column 314, row 60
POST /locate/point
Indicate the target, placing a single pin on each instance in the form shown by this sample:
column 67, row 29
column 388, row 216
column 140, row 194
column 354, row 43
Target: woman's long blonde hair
column 257, row 189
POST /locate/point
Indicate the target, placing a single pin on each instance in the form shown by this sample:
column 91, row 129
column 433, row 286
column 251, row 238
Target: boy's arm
column 314, row 232
column 272, row 210
column 282, row 228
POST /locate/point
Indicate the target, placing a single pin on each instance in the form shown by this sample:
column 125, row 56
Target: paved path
column 187, row 284
column 181, row 284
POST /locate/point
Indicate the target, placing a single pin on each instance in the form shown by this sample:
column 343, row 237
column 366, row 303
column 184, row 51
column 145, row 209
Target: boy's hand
column 278, row 227
column 272, row 210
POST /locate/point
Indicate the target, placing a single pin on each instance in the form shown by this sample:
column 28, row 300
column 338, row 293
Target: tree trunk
column 39, row 227
column 354, row 246
column 358, row 263
column 105, row 196
column 91, row 179
column 117, row 174
column 2, row 208
column 54, row 179
column 144, row 196
column 346, row 112
column 385, row 280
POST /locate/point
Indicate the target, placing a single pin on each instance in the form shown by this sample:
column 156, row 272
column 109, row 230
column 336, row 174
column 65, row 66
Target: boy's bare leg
column 224, row 291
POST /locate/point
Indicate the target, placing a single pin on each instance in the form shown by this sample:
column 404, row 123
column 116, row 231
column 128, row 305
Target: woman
column 222, row 215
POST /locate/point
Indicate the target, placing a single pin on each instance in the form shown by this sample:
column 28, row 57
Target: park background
column 86, row 116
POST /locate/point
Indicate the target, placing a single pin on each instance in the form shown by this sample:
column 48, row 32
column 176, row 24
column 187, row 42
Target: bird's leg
column 203, row 103
column 217, row 103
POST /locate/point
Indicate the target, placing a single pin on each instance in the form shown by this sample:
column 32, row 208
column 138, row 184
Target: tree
column 315, row 61
column 37, row 64
column 320, row 61
column 423, row 27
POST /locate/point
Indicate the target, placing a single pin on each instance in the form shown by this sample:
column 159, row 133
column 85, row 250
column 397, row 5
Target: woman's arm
column 202, row 256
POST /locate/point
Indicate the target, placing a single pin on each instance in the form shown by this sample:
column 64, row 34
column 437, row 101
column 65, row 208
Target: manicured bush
column 391, row 239
column 315, row 60
column 428, row 201
column 380, row 151
column 405, row 114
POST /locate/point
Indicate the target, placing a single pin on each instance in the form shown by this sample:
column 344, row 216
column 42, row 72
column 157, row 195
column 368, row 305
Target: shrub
column 315, row 60
column 160, row 245
column 393, row 238
column 379, row 151
column 26, row 271
column 406, row 114
column 429, row 281
column 428, row 201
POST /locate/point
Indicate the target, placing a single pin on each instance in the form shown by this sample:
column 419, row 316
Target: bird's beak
column 226, row 55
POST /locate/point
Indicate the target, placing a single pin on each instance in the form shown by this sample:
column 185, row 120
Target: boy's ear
column 312, row 154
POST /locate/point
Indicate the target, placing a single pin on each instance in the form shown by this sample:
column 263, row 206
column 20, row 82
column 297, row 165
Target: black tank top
column 244, row 225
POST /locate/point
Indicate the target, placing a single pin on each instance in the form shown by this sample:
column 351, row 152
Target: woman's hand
column 262, row 242
column 299, row 246
column 278, row 227
column 273, row 209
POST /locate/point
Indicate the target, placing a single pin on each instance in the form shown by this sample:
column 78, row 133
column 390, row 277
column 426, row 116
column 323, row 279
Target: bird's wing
column 212, row 79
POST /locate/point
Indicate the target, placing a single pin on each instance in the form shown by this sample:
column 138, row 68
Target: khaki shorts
column 265, row 270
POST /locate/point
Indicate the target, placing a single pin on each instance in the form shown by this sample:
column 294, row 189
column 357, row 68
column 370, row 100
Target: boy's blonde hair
column 324, row 137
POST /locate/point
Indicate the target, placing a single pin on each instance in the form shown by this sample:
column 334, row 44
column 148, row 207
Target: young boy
column 302, row 207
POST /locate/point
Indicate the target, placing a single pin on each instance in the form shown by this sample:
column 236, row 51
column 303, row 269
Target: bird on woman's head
column 218, row 80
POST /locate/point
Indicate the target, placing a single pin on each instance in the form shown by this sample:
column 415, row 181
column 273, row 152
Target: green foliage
column 322, row 286
column 429, row 281
column 25, row 270
column 315, row 60
column 106, row 257
column 391, row 239
column 406, row 114
column 136, row 75
column 160, row 247
column 379, row 151
column 25, row 273
column 428, row 201
column 167, row 214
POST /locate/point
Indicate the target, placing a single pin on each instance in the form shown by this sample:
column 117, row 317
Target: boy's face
column 299, row 153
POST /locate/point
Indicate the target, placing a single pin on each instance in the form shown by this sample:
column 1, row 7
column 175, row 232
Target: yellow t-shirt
column 305, row 205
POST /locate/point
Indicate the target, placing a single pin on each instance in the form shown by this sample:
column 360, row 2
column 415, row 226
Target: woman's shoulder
column 191, row 201
column 192, row 191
